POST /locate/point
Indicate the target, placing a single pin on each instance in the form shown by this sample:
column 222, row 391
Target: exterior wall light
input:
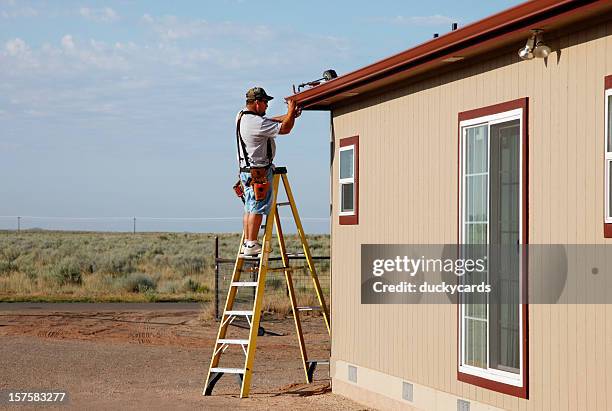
column 534, row 47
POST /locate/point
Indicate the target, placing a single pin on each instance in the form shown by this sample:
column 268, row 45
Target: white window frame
column 343, row 181
column 489, row 373
column 608, row 161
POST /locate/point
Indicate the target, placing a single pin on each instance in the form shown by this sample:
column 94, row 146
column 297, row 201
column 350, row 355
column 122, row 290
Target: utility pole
column 134, row 225
column 18, row 224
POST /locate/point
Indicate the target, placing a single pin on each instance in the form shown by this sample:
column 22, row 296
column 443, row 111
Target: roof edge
column 485, row 29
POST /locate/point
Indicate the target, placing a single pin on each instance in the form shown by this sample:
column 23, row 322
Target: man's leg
column 245, row 226
column 254, row 222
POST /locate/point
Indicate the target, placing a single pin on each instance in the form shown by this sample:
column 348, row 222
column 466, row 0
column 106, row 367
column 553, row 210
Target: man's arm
column 288, row 120
column 278, row 119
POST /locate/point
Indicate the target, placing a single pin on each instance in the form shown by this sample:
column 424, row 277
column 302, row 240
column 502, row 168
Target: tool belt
column 259, row 182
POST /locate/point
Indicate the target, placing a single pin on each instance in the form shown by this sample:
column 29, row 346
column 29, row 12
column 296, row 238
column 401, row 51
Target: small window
column 348, row 180
column 608, row 159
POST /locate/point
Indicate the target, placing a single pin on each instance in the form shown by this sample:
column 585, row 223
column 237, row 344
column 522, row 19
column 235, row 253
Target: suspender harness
column 240, row 143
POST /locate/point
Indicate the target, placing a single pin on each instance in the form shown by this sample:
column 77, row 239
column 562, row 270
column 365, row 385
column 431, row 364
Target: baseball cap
column 258, row 93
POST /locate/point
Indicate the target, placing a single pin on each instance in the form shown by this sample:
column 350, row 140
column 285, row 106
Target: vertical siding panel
column 524, row 76
column 574, row 377
column 543, row 113
column 577, row 217
column 558, row 231
column 418, row 234
column 591, row 117
column 408, row 237
column 374, row 128
column 454, row 95
column 536, row 331
column 400, row 321
column 557, row 338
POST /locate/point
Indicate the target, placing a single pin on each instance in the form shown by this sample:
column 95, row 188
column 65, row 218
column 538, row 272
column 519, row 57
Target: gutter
column 496, row 27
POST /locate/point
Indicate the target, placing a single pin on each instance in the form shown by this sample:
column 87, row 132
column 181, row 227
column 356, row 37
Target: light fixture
column 327, row 75
column 534, row 47
column 541, row 50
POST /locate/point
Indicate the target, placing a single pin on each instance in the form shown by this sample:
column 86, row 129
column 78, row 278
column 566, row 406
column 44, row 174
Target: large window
column 608, row 160
column 348, row 175
column 492, row 189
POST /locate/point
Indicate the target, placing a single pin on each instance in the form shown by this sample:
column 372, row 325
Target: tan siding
column 408, row 194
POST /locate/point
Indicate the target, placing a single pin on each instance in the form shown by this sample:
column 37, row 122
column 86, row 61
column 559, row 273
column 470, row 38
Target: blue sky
column 126, row 108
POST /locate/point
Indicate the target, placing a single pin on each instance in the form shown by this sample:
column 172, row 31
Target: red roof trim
column 517, row 18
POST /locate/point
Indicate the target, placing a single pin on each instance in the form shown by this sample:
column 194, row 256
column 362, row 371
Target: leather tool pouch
column 260, row 182
column 238, row 189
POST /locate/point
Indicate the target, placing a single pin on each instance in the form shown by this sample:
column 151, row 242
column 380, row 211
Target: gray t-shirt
column 256, row 131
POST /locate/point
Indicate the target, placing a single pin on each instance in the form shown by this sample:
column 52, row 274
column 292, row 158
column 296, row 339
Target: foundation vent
column 463, row 405
column 352, row 373
column 407, row 390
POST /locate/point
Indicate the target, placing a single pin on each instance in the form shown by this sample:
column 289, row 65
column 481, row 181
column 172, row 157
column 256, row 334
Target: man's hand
column 292, row 113
column 291, row 108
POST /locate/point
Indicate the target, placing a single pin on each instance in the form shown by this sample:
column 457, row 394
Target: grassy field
column 103, row 267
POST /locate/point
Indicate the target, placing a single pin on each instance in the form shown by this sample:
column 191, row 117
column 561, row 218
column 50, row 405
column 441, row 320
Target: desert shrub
column 203, row 288
column 188, row 265
column 114, row 263
column 137, row 283
column 190, row 285
column 154, row 251
column 160, row 260
column 5, row 267
column 10, row 253
column 169, row 287
column 67, row 271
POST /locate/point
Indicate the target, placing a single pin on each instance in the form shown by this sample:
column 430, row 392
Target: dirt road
column 154, row 357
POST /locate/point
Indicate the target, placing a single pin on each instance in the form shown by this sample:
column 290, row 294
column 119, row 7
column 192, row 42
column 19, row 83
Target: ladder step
column 234, row 312
column 232, row 341
column 308, row 308
column 286, row 203
column 249, row 257
column 244, row 284
column 228, row 370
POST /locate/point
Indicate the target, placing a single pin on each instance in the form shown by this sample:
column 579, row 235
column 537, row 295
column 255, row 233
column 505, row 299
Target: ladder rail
column 292, row 298
column 263, row 267
column 309, row 260
column 229, row 302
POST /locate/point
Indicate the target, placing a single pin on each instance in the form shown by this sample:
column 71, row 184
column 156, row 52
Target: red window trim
column 522, row 103
column 354, row 218
column 607, row 226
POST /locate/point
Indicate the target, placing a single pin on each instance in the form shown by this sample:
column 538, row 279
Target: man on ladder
column 255, row 136
column 262, row 182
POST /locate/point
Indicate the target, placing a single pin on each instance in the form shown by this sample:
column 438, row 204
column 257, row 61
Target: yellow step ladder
column 253, row 316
